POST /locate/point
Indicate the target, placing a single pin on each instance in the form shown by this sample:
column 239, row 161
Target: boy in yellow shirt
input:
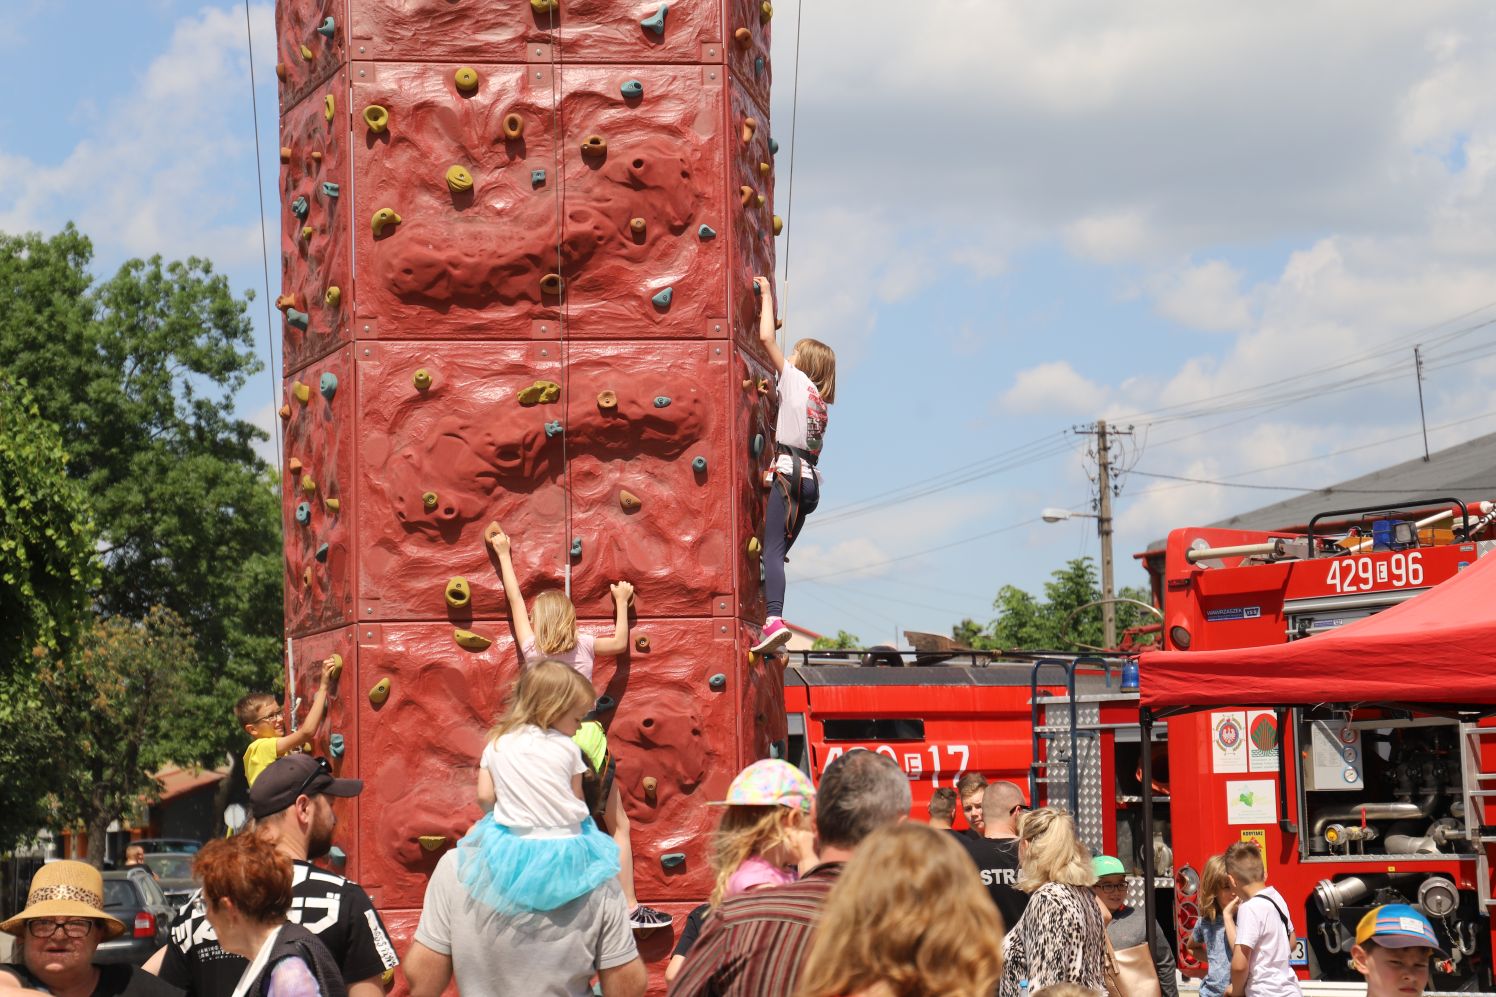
column 261, row 717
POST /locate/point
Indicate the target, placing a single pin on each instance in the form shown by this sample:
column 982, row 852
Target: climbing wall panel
column 316, row 256
column 590, row 31
column 755, row 407
column 750, row 176
column 673, row 725
column 763, row 731
column 749, row 39
column 311, row 45
column 318, row 406
column 336, row 739
column 439, row 463
column 648, row 473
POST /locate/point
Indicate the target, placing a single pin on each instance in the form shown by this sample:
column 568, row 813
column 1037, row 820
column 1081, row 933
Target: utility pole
column 1104, row 530
column 1418, row 371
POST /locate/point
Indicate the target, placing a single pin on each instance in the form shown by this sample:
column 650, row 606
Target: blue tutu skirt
column 513, row 873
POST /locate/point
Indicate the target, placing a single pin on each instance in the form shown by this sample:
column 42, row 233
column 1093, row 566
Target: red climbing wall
column 554, row 220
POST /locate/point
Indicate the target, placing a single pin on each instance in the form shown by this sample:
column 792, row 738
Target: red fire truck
column 1362, row 784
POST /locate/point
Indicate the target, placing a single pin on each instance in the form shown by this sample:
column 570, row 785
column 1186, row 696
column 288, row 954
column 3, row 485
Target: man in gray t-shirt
column 550, row 954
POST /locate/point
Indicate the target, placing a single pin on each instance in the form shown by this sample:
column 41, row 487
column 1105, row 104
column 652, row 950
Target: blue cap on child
column 1397, row 926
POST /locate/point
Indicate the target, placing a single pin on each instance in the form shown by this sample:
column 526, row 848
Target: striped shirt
column 753, row 945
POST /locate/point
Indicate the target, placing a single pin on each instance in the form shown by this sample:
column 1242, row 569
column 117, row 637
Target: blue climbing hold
column 298, row 319
column 773, row 147
column 336, row 745
column 632, row 89
column 304, row 513
column 663, row 299
column 337, row 856
column 554, row 428
column 699, row 465
column 757, row 446
column 707, row 232
column 656, row 22
column 327, row 28
column 328, row 385
column 330, row 189
column 717, row 682
column 672, row 859
column 604, row 704
column 300, row 207
column 537, row 177
column 576, row 546
column 322, row 553
column 758, row 66
column 662, row 401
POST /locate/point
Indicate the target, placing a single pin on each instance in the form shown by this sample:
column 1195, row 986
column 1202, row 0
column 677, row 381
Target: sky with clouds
column 1225, row 225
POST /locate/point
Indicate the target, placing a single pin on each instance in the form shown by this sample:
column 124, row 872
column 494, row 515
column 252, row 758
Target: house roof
column 804, row 632
column 177, row 782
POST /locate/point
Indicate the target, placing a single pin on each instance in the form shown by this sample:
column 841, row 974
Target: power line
column 254, row 104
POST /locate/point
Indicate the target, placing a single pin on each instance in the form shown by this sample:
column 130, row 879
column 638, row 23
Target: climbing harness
column 793, row 486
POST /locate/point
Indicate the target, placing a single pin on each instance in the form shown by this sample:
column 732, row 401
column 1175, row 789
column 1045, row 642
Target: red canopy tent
column 1438, row 647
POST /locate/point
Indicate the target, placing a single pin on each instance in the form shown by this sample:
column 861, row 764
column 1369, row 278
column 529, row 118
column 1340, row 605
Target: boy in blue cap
column 1394, row 945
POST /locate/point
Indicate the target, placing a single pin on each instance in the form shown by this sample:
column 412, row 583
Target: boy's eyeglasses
column 1112, row 887
column 47, row 928
column 274, row 714
column 323, row 767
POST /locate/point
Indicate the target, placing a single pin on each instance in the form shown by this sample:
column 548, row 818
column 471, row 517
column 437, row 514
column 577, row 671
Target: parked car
column 184, row 846
column 174, row 875
column 133, row 896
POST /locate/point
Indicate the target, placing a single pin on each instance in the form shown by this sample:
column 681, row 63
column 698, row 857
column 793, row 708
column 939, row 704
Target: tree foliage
column 47, row 562
column 139, row 372
column 842, row 641
column 1054, row 622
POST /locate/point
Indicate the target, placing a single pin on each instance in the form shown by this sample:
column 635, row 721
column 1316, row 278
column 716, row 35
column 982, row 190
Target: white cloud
column 1205, row 296
column 1110, row 237
column 1052, row 387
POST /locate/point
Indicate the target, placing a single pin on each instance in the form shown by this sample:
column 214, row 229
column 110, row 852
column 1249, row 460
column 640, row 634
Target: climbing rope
column 254, row 103
column 789, row 205
column 559, row 131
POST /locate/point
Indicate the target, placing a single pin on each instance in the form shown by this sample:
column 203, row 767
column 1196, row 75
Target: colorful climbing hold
column 745, row 194
column 554, row 428
column 336, row 745
column 309, row 484
column 537, row 177
column 576, row 546
column 459, row 179
column 428, row 500
column 552, row 283
column 758, row 65
column 330, row 189
column 539, row 393
column 778, row 225
column 306, row 577
column 377, row 118
column 307, row 231
column 433, row 842
column 631, row 89
column 327, row 27
column 717, row 682
column 671, row 860
column 466, row 79
column 301, row 392
column 755, row 547
column 641, row 642
column 327, row 384
column 651, row 787
column 638, row 226
column 383, row 218
column 662, row 401
column 469, row 641
column 765, row 11
column 750, row 128
column 280, row 71
column 285, row 301
column 306, row 53
column 758, row 200
column 298, row 319
column 285, row 411
column 321, row 555
column 458, row 593
column 380, row 692
column 300, row 206
column 332, row 504
column 337, row 664
column 329, row 107
column 698, row 465
column 744, row 37
column 304, row 513
column 764, row 168
column 607, row 400
column 756, row 445
column 706, row 232
column 773, row 146
column 293, row 465
column 656, row 21
column 628, row 500
column 285, row 153
column 545, row 6
column 316, row 156
column 594, row 145
column 421, row 379
column 333, row 296
column 663, row 298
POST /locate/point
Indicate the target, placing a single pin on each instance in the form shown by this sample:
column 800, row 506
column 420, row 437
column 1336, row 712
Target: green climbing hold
column 554, row 428
column 298, row 319
column 756, row 447
column 327, row 384
column 656, row 21
column 663, row 299
column 322, row 553
column 773, row 147
column 300, row 206
column 330, row 189
column 699, row 465
column 707, row 232
column 336, row 745
column 304, row 513
column 576, row 546
column 662, row 401
column 327, row 27
column 337, row 856
column 672, row 859
column 632, row 89
column 718, row 682
column 758, row 66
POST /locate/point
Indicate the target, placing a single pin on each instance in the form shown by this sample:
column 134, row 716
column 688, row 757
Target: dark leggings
column 777, row 545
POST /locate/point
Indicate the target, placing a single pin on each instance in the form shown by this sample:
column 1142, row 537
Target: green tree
column 1056, row 622
column 111, row 718
column 139, row 372
column 842, row 641
column 47, row 561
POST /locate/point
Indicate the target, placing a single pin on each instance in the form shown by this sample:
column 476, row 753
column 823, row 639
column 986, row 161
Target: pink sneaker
column 775, row 635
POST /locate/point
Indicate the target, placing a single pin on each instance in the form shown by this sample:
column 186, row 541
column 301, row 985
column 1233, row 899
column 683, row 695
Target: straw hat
column 62, row 890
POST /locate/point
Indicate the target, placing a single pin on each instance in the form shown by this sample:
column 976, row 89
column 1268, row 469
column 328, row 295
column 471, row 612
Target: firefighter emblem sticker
column 1262, row 733
column 1228, row 736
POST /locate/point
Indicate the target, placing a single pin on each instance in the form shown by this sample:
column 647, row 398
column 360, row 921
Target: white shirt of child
column 1261, row 930
column 581, row 657
column 532, row 770
column 802, row 417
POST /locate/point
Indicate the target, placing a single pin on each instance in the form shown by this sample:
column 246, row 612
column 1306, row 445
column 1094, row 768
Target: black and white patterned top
column 1059, row 939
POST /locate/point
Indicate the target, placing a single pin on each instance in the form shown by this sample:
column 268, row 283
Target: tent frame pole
column 1150, row 869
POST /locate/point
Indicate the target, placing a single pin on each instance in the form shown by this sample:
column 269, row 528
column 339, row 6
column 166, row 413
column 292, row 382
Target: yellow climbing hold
column 380, row 692
column 329, row 106
column 545, row 6
column 285, row 411
column 306, row 53
column 765, row 11
column 428, row 499
column 377, row 117
column 333, row 296
column 778, row 225
column 301, row 392
column 607, row 400
column 469, row 641
column 307, row 231
column 433, row 842
column 421, row 379
column 333, row 505
column 306, row 576
column 466, row 79
column 758, row 199
column 628, row 500
column 754, row 547
column 744, row 37
column 382, row 218
column 285, row 153
column 764, row 168
column 285, row 301
column 280, row 71
column 540, row 393
column 459, row 179
column 308, row 484
column 750, row 128
column 337, row 665
column 458, row 592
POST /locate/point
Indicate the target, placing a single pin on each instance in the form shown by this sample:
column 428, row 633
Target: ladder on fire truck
column 1480, row 786
column 1060, row 761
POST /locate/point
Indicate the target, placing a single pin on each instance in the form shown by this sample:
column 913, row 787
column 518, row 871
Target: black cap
column 296, row 775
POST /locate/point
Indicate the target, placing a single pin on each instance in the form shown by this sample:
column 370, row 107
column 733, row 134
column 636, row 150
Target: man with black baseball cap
column 290, row 804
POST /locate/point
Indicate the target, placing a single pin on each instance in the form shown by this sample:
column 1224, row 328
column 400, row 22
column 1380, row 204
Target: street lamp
column 1104, row 530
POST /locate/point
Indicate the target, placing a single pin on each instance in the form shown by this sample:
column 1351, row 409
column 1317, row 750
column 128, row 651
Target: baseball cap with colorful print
column 1397, row 926
column 770, row 782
